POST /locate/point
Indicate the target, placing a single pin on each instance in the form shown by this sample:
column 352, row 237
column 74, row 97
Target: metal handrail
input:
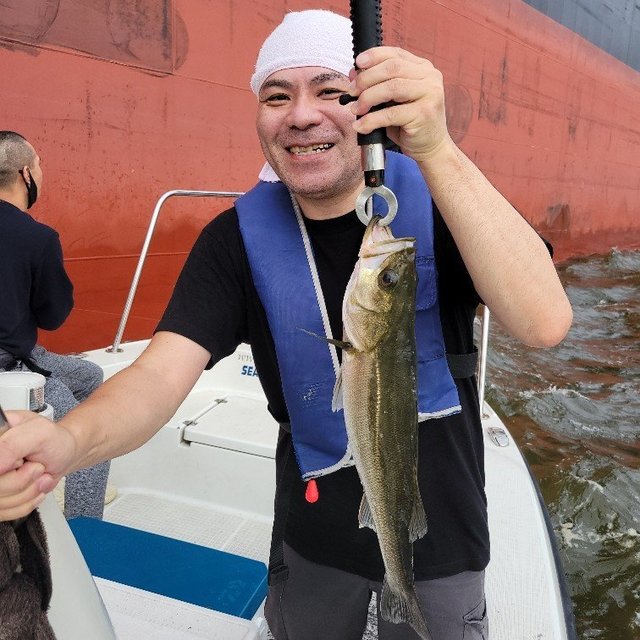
column 482, row 367
column 115, row 347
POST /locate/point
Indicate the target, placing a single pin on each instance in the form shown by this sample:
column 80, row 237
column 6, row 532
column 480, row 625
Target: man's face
column 35, row 170
column 306, row 134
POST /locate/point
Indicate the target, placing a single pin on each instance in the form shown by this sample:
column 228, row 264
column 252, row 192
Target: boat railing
column 115, row 347
column 482, row 358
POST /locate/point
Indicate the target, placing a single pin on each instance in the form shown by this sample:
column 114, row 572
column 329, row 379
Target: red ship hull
column 126, row 100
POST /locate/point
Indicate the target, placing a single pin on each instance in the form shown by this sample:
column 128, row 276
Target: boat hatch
column 235, row 422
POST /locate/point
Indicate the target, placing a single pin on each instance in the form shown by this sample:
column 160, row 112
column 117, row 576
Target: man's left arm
column 509, row 263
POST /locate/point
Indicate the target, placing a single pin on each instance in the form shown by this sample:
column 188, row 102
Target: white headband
column 312, row 38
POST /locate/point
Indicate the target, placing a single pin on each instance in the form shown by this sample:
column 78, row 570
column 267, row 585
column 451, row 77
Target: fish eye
column 388, row 278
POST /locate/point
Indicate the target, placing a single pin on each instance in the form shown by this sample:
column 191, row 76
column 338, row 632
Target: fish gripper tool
column 366, row 21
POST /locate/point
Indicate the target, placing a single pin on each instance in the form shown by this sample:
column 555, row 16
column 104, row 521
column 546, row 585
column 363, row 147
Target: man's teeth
column 314, row 148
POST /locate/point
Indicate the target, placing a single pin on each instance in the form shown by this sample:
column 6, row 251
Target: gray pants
column 71, row 381
column 318, row 602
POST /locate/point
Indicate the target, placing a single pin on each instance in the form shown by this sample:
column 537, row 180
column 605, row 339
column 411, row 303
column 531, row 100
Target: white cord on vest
column 316, row 283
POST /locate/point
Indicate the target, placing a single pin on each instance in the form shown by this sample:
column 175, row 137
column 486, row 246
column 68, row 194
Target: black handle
column 366, row 21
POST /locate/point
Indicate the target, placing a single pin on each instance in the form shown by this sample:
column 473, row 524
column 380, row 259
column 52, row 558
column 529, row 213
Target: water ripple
column 575, row 412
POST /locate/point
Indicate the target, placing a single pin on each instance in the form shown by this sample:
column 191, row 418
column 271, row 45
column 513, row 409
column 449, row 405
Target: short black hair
column 15, row 153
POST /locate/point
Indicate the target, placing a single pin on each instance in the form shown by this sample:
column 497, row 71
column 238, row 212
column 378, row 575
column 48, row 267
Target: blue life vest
column 284, row 282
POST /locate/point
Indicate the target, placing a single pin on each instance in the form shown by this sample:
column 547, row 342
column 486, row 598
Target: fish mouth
column 387, row 246
column 379, row 240
column 312, row 149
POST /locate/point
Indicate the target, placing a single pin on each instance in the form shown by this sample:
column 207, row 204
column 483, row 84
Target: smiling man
column 280, row 260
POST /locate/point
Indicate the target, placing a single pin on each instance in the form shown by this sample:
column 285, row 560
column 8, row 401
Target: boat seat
column 188, row 572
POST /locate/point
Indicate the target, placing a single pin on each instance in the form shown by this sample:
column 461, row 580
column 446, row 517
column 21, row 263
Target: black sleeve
column 208, row 304
column 456, row 292
column 51, row 297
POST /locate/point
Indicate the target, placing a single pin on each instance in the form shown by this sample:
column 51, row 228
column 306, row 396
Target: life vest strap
column 463, row 365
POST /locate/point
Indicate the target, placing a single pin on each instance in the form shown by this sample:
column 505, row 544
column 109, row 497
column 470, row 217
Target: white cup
column 22, row 390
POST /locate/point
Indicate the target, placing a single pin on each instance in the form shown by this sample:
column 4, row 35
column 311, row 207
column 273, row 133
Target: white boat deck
column 523, row 595
column 140, row 615
column 199, row 523
column 208, row 478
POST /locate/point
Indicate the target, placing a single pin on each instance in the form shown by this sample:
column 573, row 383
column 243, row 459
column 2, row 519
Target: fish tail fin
column 365, row 517
column 418, row 522
column 396, row 607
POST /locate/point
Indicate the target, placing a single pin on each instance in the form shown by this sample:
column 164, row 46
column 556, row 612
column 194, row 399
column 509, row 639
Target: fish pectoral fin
column 365, row 517
column 341, row 344
column 418, row 522
column 398, row 607
column 337, row 401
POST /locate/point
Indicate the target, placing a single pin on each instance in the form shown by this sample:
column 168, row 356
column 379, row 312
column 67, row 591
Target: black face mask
column 32, row 190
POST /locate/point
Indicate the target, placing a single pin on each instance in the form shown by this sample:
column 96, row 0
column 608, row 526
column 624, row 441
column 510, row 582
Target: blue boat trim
column 188, row 572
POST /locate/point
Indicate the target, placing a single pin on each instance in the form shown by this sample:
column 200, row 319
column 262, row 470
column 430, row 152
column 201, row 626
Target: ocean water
column 575, row 412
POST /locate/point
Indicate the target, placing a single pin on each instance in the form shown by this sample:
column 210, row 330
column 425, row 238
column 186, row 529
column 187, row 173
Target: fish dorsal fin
column 365, row 517
column 418, row 523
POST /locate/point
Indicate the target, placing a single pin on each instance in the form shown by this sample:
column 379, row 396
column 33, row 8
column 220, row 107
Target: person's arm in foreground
column 509, row 263
column 119, row 416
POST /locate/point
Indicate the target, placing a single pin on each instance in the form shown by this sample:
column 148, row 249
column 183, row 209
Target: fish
column 376, row 388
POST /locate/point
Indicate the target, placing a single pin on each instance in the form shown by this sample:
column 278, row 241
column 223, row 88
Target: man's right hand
column 34, row 454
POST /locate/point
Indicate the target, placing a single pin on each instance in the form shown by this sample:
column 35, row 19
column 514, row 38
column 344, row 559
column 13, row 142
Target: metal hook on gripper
column 364, row 204
column 366, row 21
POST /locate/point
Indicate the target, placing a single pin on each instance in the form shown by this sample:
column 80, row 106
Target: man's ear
column 26, row 174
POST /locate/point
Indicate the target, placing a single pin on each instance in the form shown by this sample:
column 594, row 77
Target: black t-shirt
column 216, row 305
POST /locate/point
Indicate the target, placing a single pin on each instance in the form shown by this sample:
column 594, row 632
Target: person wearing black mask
column 36, row 293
